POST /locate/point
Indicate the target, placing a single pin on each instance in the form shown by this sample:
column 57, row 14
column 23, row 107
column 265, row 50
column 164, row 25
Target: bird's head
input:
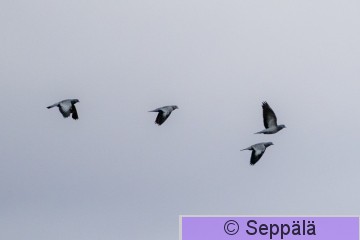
column 75, row 101
column 174, row 107
column 282, row 126
column 268, row 144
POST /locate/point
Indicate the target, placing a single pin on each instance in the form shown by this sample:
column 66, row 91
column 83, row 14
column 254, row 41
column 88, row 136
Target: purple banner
column 269, row 228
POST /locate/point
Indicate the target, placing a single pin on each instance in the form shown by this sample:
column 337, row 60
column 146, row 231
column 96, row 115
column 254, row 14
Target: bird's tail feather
column 249, row 148
column 54, row 105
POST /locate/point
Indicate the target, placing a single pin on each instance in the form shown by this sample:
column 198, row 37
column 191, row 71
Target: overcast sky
column 114, row 174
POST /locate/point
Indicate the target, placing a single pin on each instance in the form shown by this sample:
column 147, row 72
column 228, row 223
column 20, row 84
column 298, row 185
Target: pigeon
column 163, row 113
column 257, row 151
column 67, row 107
column 270, row 121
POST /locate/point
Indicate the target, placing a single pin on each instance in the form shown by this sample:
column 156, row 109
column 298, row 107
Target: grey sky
column 114, row 174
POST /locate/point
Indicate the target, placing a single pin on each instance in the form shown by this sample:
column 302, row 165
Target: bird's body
column 67, row 108
column 270, row 130
column 257, row 151
column 270, row 120
column 163, row 113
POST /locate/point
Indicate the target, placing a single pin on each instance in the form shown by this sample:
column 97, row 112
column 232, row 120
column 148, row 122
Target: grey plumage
column 67, row 108
column 257, row 151
column 270, row 120
column 163, row 113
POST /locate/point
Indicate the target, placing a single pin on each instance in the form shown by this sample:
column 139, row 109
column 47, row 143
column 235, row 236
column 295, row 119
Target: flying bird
column 67, row 107
column 163, row 113
column 270, row 121
column 257, row 151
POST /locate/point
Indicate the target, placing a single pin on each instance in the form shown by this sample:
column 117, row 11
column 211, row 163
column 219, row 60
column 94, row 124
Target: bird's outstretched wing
column 161, row 117
column 64, row 108
column 258, row 151
column 269, row 116
column 255, row 157
column 74, row 113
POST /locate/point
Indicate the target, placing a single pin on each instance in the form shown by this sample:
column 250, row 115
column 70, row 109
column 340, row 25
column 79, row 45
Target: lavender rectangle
column 269, row 228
